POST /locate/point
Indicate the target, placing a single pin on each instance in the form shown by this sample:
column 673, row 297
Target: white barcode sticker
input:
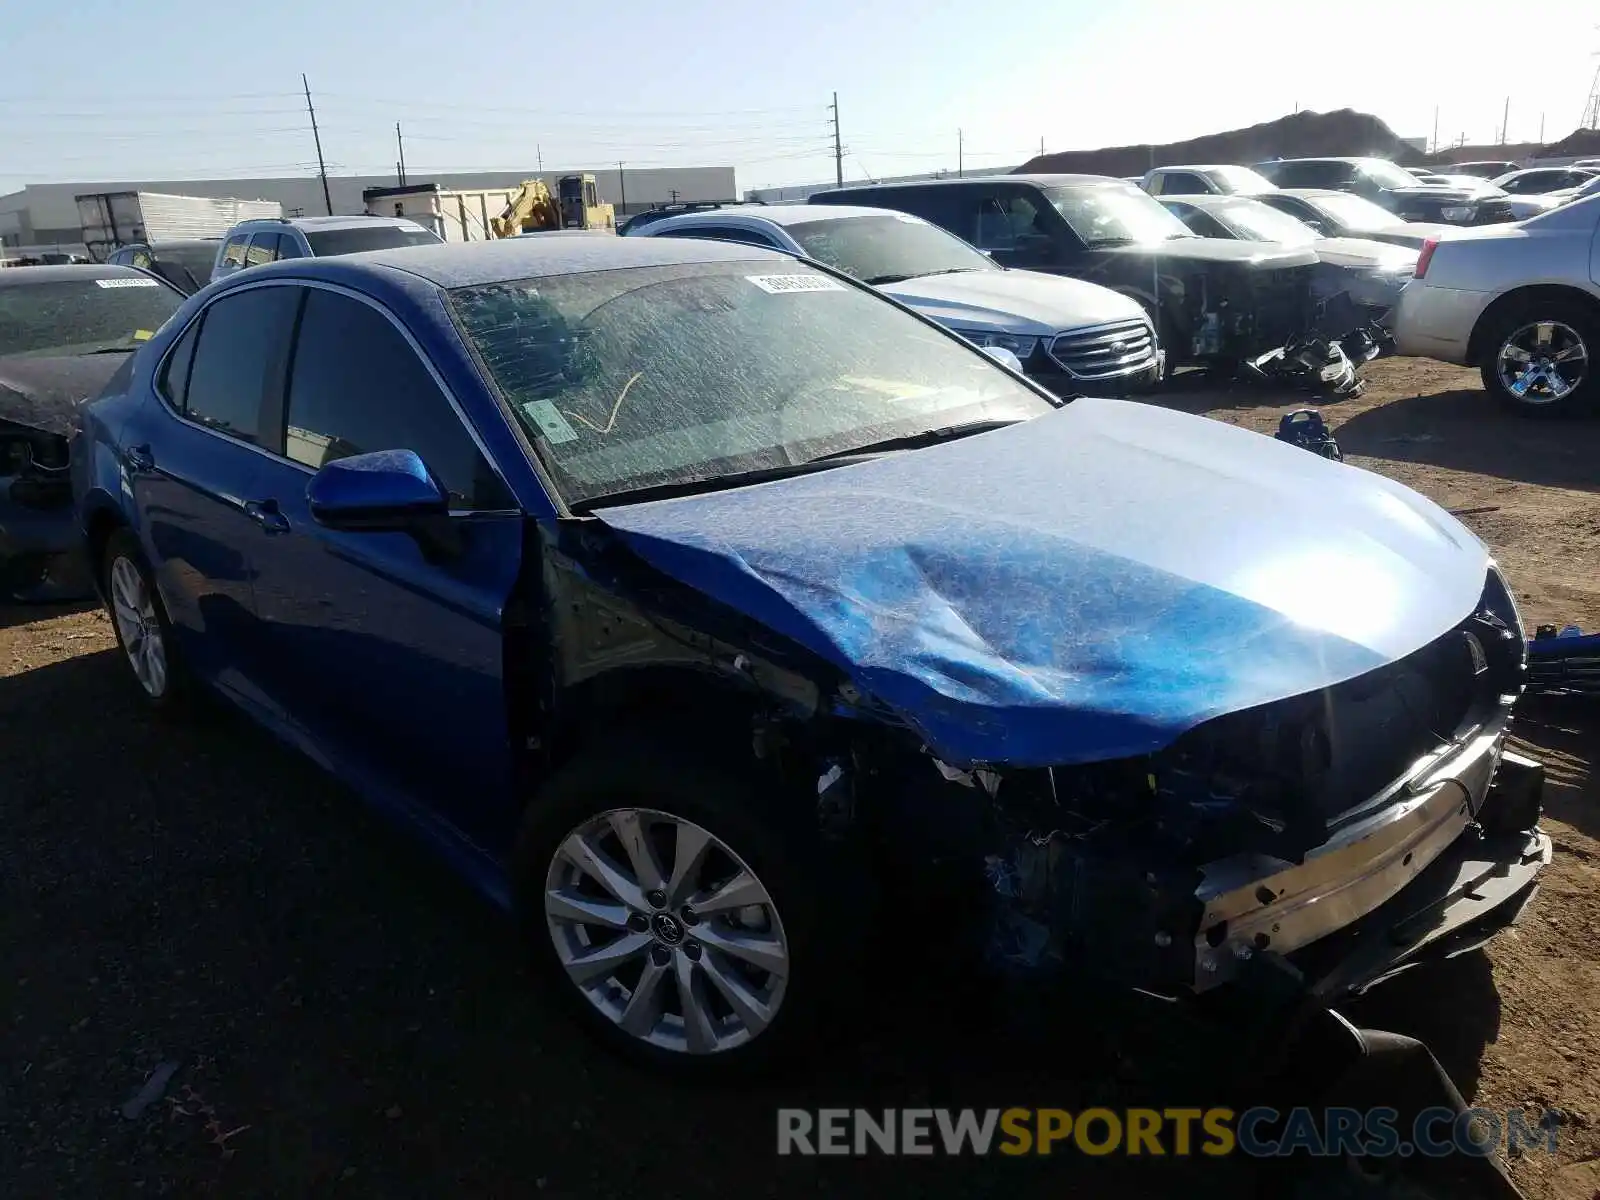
column 115, row 283
column 778, row 284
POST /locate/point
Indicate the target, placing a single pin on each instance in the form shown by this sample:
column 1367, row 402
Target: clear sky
column 103, row 89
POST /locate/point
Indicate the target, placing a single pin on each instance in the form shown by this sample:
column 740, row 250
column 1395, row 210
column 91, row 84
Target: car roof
column 1202, row 167
column 1306, row 193
column 789, row 214
column 23, row 276
column 356, row 221
column 467, row 264
column 1036, row 180
column 1207, row 200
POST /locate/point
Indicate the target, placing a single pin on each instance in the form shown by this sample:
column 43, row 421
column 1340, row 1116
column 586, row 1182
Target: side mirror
column 386, row 490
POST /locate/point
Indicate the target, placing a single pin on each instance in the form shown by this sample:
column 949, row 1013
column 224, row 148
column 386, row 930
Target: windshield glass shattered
column 887, row 248
column 1115, row 214
column 80, row 316
column 676, row 375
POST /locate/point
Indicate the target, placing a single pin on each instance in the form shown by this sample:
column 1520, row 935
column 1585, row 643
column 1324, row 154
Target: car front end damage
column 38, row 559
column 1300, row 324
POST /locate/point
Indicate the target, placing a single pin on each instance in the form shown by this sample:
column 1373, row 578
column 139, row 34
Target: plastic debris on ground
column 1305, row 428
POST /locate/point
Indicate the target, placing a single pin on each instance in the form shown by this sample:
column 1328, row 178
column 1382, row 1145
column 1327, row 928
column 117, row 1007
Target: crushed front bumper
column 1436, row 870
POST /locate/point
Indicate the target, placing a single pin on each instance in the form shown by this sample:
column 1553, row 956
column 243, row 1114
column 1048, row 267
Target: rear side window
column 289, row 247
column 174, row 382
column 722, row 233
column 239, row 354
column 356, row 385
column 233, row 255
column 1180, row 183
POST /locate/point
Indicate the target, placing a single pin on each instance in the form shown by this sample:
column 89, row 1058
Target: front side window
column 1241, row 180
column 83, row 316
column 357, row 386
column 888, row 248
column 369, row 237
column 1179, row 183
column 677, row 375
column 239, row 354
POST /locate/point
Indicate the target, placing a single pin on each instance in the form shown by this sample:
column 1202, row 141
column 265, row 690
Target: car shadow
column 1465, row 430
column 200, row 893
column 1562, row 733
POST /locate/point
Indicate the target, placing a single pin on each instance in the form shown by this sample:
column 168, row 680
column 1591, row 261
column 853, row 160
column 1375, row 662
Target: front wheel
column 662, row 902
column 1539, row 361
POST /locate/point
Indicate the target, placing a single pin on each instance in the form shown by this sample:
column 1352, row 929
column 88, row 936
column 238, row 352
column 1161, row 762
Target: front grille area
column 1492, row 212
column 1105, row 351
column 1282, row 299
column 1318, row 760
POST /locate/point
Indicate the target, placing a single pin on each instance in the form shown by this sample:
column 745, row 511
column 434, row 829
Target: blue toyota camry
column 726, row 618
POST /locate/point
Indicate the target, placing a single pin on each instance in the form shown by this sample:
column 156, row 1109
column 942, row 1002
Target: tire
column 654, row 788
column 1560, row 389
column 139, row 620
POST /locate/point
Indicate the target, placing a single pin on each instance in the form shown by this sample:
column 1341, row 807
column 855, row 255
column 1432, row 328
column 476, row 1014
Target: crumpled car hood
column 1083, row 586
column 44, row 393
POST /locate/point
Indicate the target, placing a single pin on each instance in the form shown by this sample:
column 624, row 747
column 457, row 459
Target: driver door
column 385, row 652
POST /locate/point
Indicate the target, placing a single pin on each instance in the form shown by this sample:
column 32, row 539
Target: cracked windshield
column 650, row 376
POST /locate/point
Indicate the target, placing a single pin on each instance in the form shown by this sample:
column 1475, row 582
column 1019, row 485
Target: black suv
column 1213, row 301
column 1395, row 188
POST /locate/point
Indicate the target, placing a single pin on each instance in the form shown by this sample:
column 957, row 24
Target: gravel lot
column 346, row 1018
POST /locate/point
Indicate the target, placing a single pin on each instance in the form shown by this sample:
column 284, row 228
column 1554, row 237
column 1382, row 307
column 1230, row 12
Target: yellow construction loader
column 534, row 210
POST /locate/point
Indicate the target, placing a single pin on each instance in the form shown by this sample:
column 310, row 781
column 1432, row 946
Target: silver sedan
column 1520, row 302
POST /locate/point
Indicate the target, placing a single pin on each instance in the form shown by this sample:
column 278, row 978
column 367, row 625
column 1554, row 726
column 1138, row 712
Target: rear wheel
column 1539, row 361
column 140, row 621
column 664, row 906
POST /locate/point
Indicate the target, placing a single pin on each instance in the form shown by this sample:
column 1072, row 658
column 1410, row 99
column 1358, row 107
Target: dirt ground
column 347, row 1019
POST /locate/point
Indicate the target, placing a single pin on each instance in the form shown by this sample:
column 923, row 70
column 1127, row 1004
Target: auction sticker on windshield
column 777, row 284
column 551, row 423
column 120, row 283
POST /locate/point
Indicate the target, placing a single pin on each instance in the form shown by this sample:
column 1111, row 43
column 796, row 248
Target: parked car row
column 726, row 617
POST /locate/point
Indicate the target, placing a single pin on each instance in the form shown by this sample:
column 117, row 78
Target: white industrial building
column 46, row 215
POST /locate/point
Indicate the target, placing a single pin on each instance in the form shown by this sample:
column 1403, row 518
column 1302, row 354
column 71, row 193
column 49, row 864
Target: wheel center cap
column 667, row 928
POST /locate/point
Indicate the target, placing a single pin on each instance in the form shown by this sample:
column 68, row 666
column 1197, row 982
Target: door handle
column 140, row 458
column 265, row 513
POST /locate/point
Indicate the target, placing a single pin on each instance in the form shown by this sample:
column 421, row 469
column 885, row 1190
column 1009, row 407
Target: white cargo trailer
column 455, row 215
column 112, row 219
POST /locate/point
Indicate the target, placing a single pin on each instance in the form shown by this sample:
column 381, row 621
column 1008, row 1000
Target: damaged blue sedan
column 703, row 605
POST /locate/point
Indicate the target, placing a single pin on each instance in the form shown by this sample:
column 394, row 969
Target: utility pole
column 838, row 146
column 673, row 192
column 1541, row 129
column 322, row 167
column 961, row 156
column 1435, row 129
column 1041, row 145
column 401, row 142
column 538, row 153
column 622, row 186
column 1505, row 124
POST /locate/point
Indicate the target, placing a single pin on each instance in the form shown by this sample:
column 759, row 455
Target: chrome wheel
column 666, row 931
column 1543, row 362
column 139, row 627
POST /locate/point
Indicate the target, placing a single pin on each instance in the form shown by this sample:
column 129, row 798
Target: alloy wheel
column 1542, row 362
column 666, row 931
column 139, row 626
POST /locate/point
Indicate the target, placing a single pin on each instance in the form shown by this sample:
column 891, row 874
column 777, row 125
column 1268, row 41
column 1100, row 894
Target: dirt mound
column 1303, row 135
column 1579, row 143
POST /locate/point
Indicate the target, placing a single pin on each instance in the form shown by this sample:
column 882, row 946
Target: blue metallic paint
column 1083, row 587
column 387, row 485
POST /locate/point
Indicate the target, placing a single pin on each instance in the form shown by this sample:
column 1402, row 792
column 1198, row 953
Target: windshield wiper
column 880, row 280
column 1112, row 241
column 913, row 441
column 114, row 350
column 716, row 483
